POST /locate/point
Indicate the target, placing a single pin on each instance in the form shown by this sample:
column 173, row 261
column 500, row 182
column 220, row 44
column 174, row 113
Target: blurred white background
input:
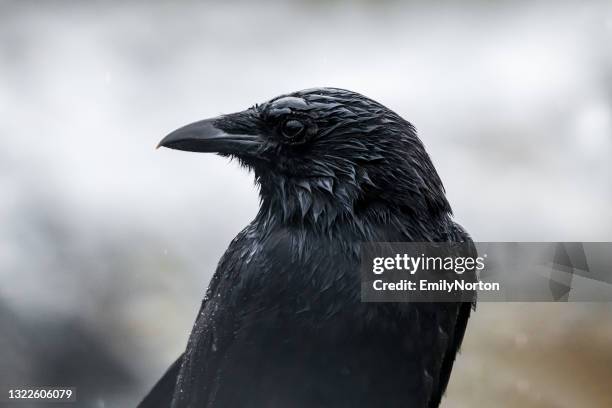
column 107, row 245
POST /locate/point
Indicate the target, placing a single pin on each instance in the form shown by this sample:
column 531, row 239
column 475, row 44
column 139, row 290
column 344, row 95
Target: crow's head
column 324, row 153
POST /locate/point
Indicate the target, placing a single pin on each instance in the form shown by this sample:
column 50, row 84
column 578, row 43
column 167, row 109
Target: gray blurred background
column 107, row 245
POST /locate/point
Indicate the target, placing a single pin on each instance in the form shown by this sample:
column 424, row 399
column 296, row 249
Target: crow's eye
column 292, row 128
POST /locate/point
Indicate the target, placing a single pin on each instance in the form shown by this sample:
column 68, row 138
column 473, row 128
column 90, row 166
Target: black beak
column 205, row 136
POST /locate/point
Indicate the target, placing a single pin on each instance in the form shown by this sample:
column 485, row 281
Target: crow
column 282, row 323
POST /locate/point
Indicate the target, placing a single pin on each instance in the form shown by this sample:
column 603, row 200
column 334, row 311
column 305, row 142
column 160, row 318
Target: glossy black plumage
column 282, row 324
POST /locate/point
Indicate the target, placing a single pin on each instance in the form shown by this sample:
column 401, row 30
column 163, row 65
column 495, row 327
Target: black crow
column 282, row 324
